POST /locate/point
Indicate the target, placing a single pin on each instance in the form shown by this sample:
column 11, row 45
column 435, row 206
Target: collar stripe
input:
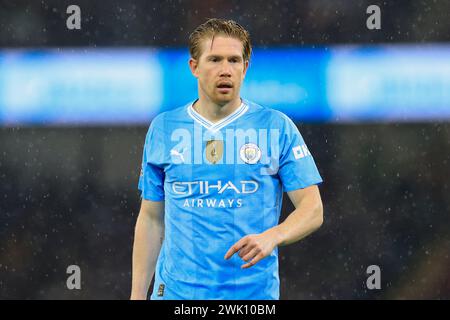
column 220, row 124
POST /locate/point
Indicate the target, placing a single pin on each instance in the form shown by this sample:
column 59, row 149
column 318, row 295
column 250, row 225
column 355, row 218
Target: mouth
column 225, row 87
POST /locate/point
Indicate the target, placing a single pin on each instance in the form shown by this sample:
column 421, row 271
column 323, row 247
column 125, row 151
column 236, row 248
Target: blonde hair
column 213, row 27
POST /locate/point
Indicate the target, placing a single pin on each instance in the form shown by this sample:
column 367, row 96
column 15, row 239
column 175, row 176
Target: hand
column 254, row 247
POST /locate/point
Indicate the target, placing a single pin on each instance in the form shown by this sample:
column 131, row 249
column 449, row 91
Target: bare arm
column 305, row 219
column 149, row 233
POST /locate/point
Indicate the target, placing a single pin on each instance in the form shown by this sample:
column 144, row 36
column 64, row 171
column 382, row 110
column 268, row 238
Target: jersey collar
column 241, row 110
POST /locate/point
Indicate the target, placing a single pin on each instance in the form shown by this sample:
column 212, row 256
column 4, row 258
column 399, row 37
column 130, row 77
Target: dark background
column 68, row 195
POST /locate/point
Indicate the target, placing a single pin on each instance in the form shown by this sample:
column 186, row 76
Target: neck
column 215, row 112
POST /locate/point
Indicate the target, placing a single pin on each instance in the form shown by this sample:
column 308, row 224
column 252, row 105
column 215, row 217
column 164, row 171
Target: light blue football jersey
column 220, row 182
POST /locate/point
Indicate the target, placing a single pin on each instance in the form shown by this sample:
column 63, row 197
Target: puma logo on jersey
column 301, row 151
column 179, row 154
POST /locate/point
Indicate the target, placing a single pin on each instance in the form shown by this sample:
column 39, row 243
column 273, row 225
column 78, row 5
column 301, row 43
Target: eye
column 213, row 59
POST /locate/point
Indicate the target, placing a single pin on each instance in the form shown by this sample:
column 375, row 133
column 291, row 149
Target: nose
column 225, row 70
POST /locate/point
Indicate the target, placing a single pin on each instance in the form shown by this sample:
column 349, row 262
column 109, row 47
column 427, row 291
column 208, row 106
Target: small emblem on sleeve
column 161, row 290
column 301, row 151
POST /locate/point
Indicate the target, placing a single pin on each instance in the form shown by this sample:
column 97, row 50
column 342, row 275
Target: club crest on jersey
column 214, row 151
column 250, row 153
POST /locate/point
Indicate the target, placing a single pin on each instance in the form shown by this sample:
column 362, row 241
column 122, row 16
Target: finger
column 235, row 248
column 250, row 255
column 245, row 250
column 253, row 262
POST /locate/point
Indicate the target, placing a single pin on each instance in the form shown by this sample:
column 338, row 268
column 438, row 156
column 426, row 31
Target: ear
column 193, row 64
column 246, row 63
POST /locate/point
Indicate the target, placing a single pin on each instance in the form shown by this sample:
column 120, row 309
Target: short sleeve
column 297, row 167
column 151, row 179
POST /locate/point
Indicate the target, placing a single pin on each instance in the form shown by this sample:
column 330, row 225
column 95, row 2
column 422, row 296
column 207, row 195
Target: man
column 212, row 180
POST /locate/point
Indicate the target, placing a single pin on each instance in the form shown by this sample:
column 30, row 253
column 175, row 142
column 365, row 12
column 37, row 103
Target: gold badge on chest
column 214, row 151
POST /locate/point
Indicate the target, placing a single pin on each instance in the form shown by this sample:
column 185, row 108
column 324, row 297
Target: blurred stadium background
column 373, row 106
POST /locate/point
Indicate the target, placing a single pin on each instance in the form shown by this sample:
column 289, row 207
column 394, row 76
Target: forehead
column 222, row 45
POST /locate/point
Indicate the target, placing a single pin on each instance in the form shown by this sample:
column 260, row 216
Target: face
column 220, row 69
